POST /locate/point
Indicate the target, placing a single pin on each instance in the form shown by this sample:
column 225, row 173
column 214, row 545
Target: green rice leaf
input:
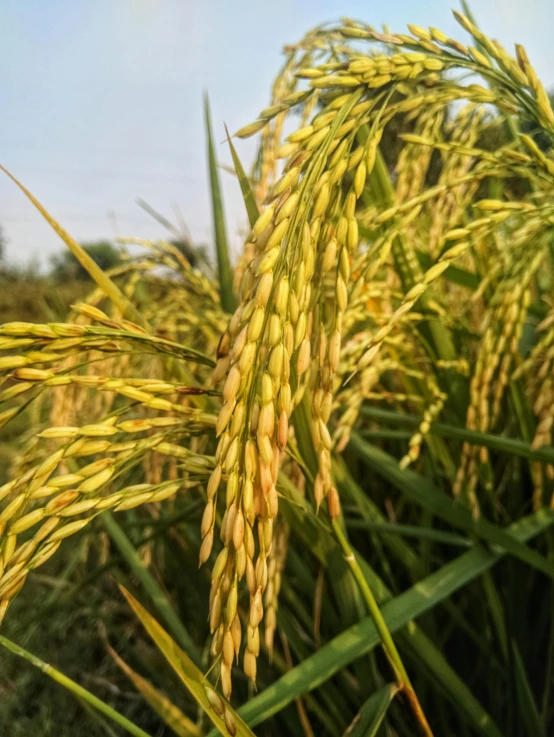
column 422, row 492
column 527, row 705
column 371, row 715
column 428, row 660
column 512, row 446
column 361, row 638
column 423, row 533
column 159, row 218
column 150, row 585
column 246, row 189
column 192, row 677
column 166, row 710
column 220, row 232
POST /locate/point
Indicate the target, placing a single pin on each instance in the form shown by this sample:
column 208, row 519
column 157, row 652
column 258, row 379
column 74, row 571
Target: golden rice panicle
column 56, row 507
column 252, row 428
column 447, row 210
column 48, row 501
column 429, row 416
column 544, row 434
column 413, row 161
column 265, row 356
column 539, row 366
column 497, row 350
column 276, row 565
column 335, row 231
column 220, row 708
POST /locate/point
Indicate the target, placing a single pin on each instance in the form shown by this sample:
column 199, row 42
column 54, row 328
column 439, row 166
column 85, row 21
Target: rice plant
column 363, row 408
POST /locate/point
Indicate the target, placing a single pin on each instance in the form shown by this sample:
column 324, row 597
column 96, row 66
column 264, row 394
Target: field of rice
column 309, row 491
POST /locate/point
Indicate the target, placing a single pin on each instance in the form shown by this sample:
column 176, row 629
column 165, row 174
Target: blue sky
column 102, row 100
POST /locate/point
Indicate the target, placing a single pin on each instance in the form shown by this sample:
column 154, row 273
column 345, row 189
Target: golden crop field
column 350, row 428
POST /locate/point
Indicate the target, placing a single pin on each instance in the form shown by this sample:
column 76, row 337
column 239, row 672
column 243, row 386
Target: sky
column 101, row 101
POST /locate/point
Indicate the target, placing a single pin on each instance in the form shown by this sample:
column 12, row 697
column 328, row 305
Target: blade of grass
column 423, row 533
column 524, row 413
column 389, row 646
column 99, row 719
column 109, row 288
column 527, row 705
column 350, row 490
column 344, row 587
column 151, row 586
column 362, row 637
column 247, row 194
column 422, row 492
column 159, row 218
column 170, row 714
column 473, row 437
column 431, row 662
column 549, row 665
column 220, row 234
column 192, row 677
column 371, row 715
column 78, row 691
column 333, row 695
column 495, row 607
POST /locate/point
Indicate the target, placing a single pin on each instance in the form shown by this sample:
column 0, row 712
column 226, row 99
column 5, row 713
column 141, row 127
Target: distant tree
column 3, row 243
column 66, row 267
column 197, row 256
